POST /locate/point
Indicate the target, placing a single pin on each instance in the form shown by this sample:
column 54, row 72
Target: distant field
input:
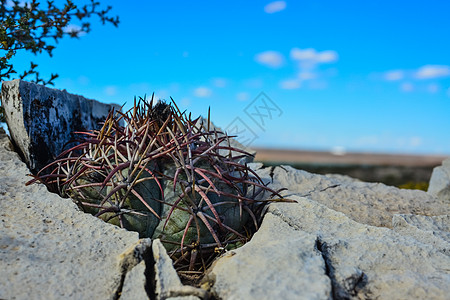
column 412, row 171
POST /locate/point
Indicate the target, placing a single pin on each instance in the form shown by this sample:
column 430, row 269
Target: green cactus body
column 135, row 215
column 146, row 223
column 172, row 228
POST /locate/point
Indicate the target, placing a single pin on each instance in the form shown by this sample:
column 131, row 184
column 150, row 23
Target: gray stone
column 133, row 267
column 49, row 249
column 41, row 120
column 342, row 178
column 134, row 284
column 168, row 284
column 440, row 182
column 369, row 203
column 367, row 262
column 280, row 262
column 361, row 261
column 434, row 230
column 184, row 298
column 165, row 275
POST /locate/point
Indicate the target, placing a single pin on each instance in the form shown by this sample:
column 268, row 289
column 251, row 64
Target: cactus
column 165, row 176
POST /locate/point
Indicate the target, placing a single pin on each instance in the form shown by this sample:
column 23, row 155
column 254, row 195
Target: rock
column 342, row 178
column 433, row 230
column 280, row 262
column 366, row 261
column 368, row 203
column 168, row 284
column 134, row 284
column 184, row 298
column 165, row 275
column 41, row 120
column 341, row 239
column 49, row 249
column 440, row 182
column 330, row 255
column 134, row 254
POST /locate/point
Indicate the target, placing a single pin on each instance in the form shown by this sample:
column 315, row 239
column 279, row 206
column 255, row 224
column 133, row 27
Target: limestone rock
column 135, row 253
column 440, row 182
column 168, row 284
column 184, row 298
column 133, row 266
column 433, row 230
column 134, row 284
column 367, row 262
column 368, row 203
column 165, row 275
column 49, row 249
column 41, row 120
column 280, row 262
column 358, row 261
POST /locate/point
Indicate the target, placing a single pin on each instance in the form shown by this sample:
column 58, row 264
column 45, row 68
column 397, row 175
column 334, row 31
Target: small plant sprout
column 165, row 176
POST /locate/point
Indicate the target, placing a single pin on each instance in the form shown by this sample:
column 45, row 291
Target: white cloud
column 272, row 59
column 111, row 90
column 406, row 87
column 299, row 54
column 202, row 92
column 394, row 75
column 219, row 82
column 432, row 71
column 290, row 84
column 310, row 54
column 243, row 96
column 274, row 7
column 327, row 56
column 308, row 60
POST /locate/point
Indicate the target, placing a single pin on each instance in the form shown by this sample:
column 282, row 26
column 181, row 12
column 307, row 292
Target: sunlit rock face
column 440, row 182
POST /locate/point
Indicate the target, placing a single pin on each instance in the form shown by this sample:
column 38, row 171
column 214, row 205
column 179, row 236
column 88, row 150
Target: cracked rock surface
column 167, row 283
column 49, row 249
column 368, row 203
column 134, row 284
column 370, row 262
column 434, row 230
column 279, row 263
column 342, row 239
column 350, row 260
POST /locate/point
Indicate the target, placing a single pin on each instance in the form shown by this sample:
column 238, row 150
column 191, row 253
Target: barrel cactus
column 165, row 176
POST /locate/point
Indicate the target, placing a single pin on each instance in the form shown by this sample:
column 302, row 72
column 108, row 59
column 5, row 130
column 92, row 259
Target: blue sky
column 366, row 76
